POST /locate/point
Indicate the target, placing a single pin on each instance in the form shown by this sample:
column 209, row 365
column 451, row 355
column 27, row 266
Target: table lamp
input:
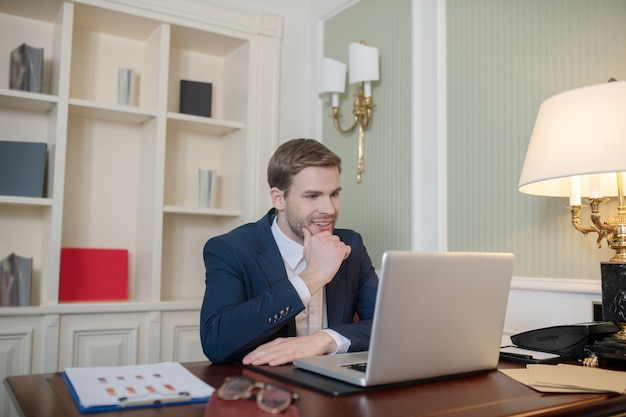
column 578, row 150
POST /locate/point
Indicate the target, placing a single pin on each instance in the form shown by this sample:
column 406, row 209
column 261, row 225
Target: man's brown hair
column 293, row 156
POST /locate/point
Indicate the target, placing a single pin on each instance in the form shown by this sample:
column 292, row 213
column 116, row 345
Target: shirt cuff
column 343, row 343
column 301, row 289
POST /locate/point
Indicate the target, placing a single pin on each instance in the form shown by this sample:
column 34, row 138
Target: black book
column 22, row 168
column 195, row 98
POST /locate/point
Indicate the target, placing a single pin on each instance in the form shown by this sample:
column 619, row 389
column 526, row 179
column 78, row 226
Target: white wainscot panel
column 180, row 341
column 15, row 358
column 28, row 344
column 16, row 346
column 104, row 339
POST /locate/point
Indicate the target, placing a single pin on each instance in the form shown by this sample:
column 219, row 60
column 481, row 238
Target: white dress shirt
column 313, row 318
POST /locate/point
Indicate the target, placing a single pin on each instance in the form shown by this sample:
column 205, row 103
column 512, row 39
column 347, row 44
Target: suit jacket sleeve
column 248, row 299
column 353, row 292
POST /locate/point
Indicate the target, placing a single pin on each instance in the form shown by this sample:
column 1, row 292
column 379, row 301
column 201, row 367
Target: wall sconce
column 363, row 61
column 578, row 149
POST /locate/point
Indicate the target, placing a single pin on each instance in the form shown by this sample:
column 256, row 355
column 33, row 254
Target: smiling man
column 290, row 285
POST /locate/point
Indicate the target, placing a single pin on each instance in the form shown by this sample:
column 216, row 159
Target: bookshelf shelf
column 204, row 125
column 202, row 211
column 22, row 100
column 25, row 201
column 115, row 113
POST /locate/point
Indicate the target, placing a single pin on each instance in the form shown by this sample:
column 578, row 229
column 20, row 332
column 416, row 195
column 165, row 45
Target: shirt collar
column 292, row 252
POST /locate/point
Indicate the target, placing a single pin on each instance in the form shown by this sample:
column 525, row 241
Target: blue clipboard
column 125, row 403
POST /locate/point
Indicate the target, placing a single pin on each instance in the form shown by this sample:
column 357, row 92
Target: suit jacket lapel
column 268, row 255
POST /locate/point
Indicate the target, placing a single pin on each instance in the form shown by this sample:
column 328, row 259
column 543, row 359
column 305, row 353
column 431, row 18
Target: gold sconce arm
column 362, row 111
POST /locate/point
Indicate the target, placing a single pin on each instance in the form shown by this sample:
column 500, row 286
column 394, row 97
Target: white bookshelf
column 127, row 176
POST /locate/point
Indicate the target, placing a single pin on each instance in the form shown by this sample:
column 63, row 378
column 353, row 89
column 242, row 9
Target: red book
column 93, row 275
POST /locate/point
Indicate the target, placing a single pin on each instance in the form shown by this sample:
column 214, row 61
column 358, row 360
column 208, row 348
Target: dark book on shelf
column 15, row 280
column 22, row 168
column 195, row 98
column 26, row 68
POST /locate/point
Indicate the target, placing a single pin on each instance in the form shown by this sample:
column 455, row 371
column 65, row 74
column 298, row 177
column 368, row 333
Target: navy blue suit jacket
column 249, row 300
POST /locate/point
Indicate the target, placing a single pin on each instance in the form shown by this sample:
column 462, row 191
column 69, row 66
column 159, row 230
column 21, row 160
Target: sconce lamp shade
column 363, row 61
column 578, row 134
column 332, row 78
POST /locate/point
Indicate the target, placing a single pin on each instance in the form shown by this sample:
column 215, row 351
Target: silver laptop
column 438, row 314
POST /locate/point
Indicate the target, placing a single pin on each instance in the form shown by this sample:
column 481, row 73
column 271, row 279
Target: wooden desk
column 493, row 394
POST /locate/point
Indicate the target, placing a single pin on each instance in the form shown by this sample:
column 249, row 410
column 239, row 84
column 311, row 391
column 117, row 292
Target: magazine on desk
column 96, row 389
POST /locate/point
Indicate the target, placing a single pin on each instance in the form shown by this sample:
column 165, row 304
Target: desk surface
column 492, row 394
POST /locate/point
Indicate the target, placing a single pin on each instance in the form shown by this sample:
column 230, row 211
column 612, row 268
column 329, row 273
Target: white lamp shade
column 578, row 132
column 332, row 78
column 363, row 63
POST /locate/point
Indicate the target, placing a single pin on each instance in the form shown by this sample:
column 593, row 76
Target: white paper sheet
column 135, row 384
column 569, row 378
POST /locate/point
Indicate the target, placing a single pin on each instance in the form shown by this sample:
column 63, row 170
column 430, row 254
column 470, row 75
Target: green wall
column 380, row 206
column 504, row 57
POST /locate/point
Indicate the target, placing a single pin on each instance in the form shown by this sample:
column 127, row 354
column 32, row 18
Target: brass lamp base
column 609, row 353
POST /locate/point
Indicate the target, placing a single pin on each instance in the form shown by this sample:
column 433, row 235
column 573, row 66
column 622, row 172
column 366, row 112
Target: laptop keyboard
column 359, row 367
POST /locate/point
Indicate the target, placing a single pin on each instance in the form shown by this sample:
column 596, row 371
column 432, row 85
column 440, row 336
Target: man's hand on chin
column 284, row 350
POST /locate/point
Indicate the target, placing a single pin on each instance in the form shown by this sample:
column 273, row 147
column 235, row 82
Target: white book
column 207, row 179
column 126, row 87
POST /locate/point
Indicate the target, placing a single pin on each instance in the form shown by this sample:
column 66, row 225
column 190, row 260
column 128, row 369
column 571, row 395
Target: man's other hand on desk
column 284, row 350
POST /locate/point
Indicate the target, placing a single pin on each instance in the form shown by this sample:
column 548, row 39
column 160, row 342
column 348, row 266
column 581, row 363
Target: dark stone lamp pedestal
column 611, row 350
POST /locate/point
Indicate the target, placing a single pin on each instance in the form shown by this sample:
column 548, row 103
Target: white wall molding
column 328, row 10
column 541, row 302
column 560, row 285
column 219, row 14
column 429, row 166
